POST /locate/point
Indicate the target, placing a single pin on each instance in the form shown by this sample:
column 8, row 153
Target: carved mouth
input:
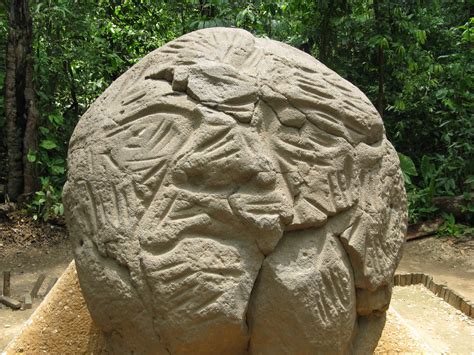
column 269, row 211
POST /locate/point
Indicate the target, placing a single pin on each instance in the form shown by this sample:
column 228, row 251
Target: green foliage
column 420, row 198
column 450, row 227
column 413, row 59
column 46, row 203
column 408, row 167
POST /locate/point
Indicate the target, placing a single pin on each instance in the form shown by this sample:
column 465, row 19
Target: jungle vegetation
column 414, row 59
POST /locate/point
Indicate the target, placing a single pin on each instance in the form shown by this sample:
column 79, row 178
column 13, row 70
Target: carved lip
column 267, row 211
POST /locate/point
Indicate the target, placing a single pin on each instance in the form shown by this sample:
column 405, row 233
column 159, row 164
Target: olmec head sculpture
column 229, row 195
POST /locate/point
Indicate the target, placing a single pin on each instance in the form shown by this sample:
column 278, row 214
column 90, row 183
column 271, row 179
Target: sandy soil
column 397, row 337
column 61, row 325
column 442, row 328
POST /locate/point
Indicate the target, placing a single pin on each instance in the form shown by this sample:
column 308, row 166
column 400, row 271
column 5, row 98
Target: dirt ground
column 441, row 327
column 448, row 260
column 62, row 324
column 28, row 248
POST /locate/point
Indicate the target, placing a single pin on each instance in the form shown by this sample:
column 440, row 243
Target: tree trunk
column 379, row 16
column 381, row 93
column 20, row 109
column 325, row 31
column 30, row 140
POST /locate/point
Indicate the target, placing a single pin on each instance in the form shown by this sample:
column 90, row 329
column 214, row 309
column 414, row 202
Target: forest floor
column 449, row 260
column 29, row 248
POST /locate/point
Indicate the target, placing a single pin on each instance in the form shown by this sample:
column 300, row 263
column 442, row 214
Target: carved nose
column 238, row 160
column 266, row 179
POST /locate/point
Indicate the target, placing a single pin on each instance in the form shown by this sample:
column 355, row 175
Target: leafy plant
column 451, row 228
column 420, row 198
column 408, row 168
column 46, row 203
column 412, row 59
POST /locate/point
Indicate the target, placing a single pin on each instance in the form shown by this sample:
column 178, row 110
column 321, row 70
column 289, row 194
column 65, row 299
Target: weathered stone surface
column 304, row 300
column 231, row 194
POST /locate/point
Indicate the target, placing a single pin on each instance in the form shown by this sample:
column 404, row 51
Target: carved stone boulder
column 229, row 195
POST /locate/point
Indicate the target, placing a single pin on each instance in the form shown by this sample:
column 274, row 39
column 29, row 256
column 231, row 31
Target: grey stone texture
column 230, row 195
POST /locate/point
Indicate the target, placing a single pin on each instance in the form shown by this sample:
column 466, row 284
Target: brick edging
column 448, row 295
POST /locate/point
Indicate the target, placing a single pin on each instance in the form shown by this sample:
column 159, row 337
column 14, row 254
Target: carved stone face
column 231, row 194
